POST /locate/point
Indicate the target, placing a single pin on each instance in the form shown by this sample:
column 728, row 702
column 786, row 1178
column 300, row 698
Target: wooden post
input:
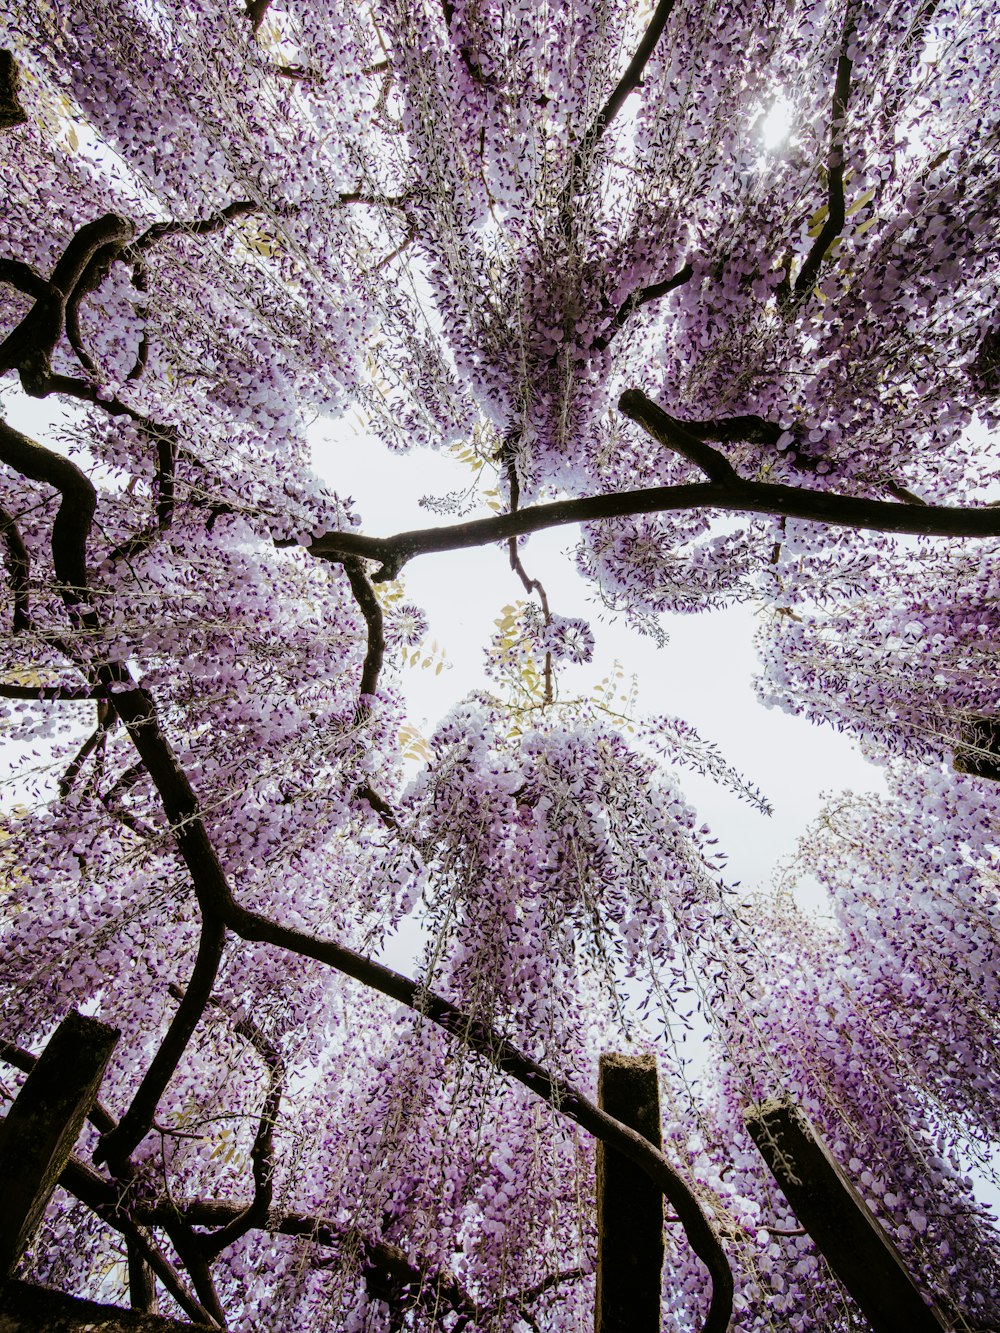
column 629, row 1206
column 839, row 1221
column 44, row 1123
column 28, row 1309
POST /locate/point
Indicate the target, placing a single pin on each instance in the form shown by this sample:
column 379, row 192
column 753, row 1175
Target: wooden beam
column 629, row 1206
column 43, row 1124
column 839, row 1221
column 28, row 1309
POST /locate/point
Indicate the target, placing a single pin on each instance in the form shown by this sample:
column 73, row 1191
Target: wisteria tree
column 556, row 242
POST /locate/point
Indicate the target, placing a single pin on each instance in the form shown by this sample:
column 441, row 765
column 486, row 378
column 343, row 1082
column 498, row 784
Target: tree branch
column 835, row 215
column 28, row 348
column 69, row 777
column 737, row 496
column 12, row 113
column 371, row 610
column 520, row 1299
column 102, row 1198
column 674, row 435
column 239, row 208
column 262, row 1152
column 628, row 82
column 385, row 1266
column 116, row 1146
column 643, row 296
column 15, row 273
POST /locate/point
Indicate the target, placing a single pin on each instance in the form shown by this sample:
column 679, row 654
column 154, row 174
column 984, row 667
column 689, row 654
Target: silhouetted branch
column 102, row 1197
column 628, row 82
column 520, row 1299
column 116, row 1146
column 381, row 806
column 674, row 435
column 735, row 496
column 371, row 610
column 28, row 347
column 902, row 494
column 385, row 1267
column 141, row 1281
column 239, row 208
column 15, row 273
column 69, row 777
column 255, row 11
column 643, row 296
column 835, row 216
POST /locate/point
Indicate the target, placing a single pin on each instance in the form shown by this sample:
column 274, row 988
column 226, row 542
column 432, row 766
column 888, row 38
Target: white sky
column 703, row 675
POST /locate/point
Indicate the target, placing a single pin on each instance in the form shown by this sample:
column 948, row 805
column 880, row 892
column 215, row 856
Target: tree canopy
column 555, row 242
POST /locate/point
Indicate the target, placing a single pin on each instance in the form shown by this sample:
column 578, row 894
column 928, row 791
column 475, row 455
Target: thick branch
column 79, row 500
column 736, row 496
column 101, row 1197
column 12, row 113
column 239, row 208
column 674, row 435
column 90, row 280
column 835, row 215
column 381, row 806
column 69, row 777
column 255, row 11
column 385, row 1266
column 372, row 612
column 69, row 541
column 28, row 348
column 15, row 273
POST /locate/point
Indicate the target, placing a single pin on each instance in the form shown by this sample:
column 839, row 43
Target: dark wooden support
column 141, row 1283
column 43, row 1124
column 979, row 752
column 11, row 111
column 629, row 1206
column 839, row 1221
column 28, row 1309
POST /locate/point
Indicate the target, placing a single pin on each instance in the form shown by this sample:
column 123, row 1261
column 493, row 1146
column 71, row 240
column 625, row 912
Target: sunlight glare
column 777, row 123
